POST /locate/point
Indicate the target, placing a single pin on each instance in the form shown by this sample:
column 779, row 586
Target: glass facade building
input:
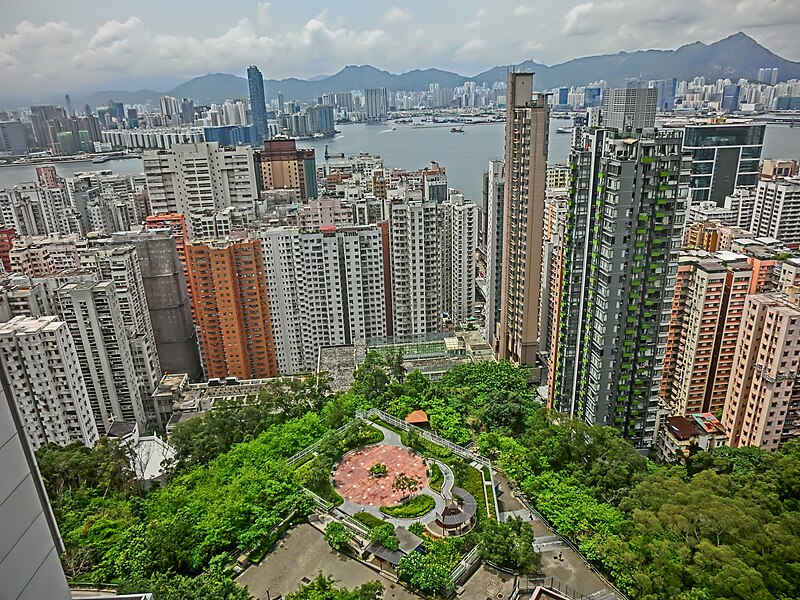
column 724, row 156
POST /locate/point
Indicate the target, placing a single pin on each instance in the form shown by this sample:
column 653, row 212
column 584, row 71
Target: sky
column 53, row 46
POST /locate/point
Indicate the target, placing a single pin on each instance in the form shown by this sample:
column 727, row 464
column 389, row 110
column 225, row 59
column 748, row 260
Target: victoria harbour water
column 465, row 155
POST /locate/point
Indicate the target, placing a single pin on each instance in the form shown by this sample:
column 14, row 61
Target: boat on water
column 457, row 129
column 97, row 160
column 564, row 130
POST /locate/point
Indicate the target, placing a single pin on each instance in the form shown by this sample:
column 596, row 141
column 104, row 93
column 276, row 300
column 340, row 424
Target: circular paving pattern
column 354, row 483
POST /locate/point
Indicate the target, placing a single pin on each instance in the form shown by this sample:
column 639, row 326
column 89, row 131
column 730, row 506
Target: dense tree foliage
column 429, row 570
column 322, row 588
column 199, row 441
column 231, row 503
column 725, row 527
column 337, row 535
column 509, row 545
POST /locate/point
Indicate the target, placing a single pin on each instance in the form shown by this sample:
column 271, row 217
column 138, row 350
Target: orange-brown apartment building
column 231, row 308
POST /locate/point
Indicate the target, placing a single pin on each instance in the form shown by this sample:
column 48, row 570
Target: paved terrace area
column 353, row 482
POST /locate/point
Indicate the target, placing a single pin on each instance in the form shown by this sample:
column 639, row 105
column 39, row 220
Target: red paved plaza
column 353, row 481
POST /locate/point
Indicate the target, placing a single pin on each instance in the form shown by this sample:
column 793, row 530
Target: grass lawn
column 411, row 508
column 368, row 519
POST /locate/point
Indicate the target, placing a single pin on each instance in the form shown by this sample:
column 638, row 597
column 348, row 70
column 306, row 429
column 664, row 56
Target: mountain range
column 734, row 57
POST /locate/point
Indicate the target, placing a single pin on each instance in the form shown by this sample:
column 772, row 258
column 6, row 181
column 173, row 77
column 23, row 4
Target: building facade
column 94, row 317
column 231, row 308
column 189, row 178
column 625, row 216
column 710, row 293
column 326, row 288
column 44, row 374
column 761, row 408
column 527, row 118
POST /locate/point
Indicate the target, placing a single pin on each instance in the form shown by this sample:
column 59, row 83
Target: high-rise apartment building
column 710, row 292
column 623, row 230
column 190, row 178
column 724, row 156
column 168, row 301
column 527, row 118
column 46, row 383
column 762, row 403
column 414, row 240
column 555, row 212
column 376, row 103
column 258, row 103
column 40, row 256
column 30, row 568
column 283, row 166
column 118, row 262
column 630, row 109
column 231, row 308
column 495, row 183
column 326, row 288
column 459, row 242
column 777, row 210
column 94, row 318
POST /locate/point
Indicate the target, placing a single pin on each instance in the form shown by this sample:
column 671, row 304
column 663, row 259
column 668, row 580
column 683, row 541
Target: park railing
column 527, row 585
column 468, row 564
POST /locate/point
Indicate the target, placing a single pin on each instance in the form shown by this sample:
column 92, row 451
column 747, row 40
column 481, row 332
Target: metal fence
column 465, row 567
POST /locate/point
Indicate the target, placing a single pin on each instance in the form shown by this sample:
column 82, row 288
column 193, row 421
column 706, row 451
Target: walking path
column 391, row 438
column 449, row 478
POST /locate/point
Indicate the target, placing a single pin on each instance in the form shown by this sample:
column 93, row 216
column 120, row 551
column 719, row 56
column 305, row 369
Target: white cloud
column 397, row 15
column 285, row 40
column 578, row 20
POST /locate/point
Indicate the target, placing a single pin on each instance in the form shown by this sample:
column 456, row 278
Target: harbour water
column 465, row 155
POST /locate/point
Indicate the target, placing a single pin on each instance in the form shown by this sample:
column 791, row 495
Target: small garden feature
column 378, row 470
column 405, row 483
column 411, row 508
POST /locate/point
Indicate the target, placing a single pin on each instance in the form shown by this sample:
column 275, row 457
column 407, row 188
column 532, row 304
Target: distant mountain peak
column 735, row 56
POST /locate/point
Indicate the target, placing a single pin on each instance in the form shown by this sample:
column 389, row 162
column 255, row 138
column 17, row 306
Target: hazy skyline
column 49, row 46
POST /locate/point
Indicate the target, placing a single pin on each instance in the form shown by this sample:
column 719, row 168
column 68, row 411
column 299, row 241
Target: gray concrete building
column 630, row 109
column 494, row 246
column 94, row 317
column 30, row 543
column 168, row 302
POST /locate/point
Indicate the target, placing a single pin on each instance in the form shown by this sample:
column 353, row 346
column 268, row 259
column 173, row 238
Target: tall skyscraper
column 46, row 383
column 776, row 212
column 459, row 241
column 624, row 221
column 190, row 178
column 376, row 103
column 527, row 117
column 258, row 103
column 119, row 262
column 283, row 166
column 231, row 308
column 494, row 246
column 415, row 264
column 710, row 292
column 630, row 109
column 168, row 301
column 94, row 318
column 730, row 98
column 31, row 544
